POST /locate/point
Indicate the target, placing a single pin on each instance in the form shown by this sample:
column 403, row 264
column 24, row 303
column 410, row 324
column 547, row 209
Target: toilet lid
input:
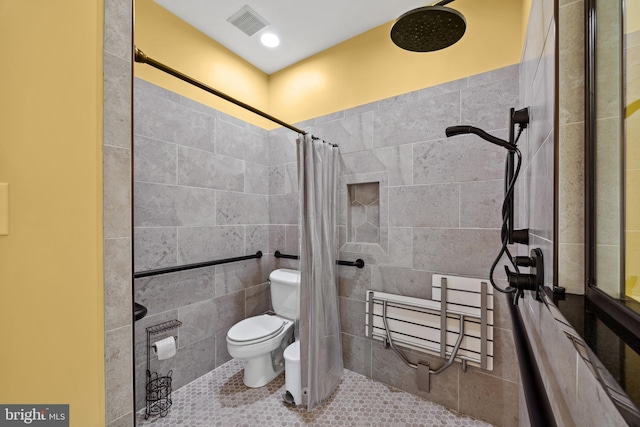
column 255, row 328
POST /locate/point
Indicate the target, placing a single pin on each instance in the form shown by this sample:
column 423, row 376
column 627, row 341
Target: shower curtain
column 320, row 341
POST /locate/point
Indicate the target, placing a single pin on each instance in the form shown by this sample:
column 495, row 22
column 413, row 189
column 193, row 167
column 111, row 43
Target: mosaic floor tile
column 219, row 398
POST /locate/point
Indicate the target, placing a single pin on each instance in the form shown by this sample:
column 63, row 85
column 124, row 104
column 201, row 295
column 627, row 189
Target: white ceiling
column 304, row 27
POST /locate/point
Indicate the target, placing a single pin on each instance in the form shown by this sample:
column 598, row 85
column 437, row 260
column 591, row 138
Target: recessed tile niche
column 363, row 213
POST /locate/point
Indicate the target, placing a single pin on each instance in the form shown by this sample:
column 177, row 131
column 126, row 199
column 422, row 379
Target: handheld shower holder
column 520, row 117
column 520, row 236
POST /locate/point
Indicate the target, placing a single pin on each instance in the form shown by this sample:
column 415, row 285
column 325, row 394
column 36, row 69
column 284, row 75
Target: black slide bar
column 357, row 263
column 166, row 270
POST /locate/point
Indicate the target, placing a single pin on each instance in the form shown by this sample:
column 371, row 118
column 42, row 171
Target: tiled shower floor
column 219, row 398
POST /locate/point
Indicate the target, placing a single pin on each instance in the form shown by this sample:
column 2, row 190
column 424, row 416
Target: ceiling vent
column 248, row 21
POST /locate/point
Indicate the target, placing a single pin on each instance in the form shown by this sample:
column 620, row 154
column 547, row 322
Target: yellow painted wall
column 51, row 290
column 526, row 10
column 632, row 16
column 360, row 70
column 370, row 67
column 632, row 155
column 170, row 40
column 632, row 205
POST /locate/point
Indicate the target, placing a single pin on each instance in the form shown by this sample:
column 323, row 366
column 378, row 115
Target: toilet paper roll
column 165, row 348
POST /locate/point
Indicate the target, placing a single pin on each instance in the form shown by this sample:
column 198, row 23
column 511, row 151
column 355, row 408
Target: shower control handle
column 534, row 281
column 524, row 261
column 521, row 281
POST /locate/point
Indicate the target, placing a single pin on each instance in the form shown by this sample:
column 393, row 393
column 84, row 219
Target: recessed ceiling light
column 270, row 40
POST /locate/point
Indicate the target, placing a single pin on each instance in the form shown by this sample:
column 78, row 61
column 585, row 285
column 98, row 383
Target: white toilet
column 261, row 340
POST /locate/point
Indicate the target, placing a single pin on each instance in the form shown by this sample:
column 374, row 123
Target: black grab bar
column 166, row 270
column 357, row 263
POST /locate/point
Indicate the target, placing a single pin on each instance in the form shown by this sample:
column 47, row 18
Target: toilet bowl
column 260, row 341
column 257, row 341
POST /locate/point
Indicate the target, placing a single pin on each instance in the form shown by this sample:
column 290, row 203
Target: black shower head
column 462, row 130
column 428, row 28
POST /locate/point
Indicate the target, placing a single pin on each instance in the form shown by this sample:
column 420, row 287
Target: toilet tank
column 285, row 292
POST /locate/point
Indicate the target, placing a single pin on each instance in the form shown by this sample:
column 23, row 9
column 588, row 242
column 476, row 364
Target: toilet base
column 259, row 371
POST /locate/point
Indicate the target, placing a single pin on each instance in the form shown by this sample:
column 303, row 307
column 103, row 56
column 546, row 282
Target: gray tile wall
column 535, row 190
column 608, row 167
column 572, row 148
column 363, row 213
column 440, row 202
column 564, row 373
column 116, row 157
column 283, row 195
column 201, row 185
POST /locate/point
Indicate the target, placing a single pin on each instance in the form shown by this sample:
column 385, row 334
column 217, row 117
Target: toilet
column 260, row 341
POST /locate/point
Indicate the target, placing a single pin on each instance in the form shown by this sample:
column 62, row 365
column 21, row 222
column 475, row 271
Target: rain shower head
column 462, row 130
column 428, row 28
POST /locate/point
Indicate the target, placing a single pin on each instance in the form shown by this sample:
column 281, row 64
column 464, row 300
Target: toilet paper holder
column 158, row 329
column 158, row 389
column 153, row 346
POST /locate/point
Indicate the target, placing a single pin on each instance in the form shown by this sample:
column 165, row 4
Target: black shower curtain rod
column 144, row 59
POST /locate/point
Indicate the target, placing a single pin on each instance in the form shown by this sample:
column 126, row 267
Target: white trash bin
column 293, row 374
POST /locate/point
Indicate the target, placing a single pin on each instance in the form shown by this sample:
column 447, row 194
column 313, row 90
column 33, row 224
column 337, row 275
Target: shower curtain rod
column 144, row 59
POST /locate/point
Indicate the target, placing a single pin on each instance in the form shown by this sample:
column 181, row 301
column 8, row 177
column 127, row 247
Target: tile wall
column 575, row 395
column 439, row 212
column 283, row 195
column 571, row 149
column 363, row 213
column 608, row 167
column 201, row 189
column 116, row 154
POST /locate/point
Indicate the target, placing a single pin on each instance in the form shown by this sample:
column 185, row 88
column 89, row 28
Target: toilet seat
column 255, row 329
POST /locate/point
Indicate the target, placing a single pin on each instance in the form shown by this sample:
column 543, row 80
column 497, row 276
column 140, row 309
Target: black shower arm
column 462, row 130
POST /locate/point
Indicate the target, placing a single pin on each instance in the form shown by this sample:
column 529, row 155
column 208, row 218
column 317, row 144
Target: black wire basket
column 158, row 394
